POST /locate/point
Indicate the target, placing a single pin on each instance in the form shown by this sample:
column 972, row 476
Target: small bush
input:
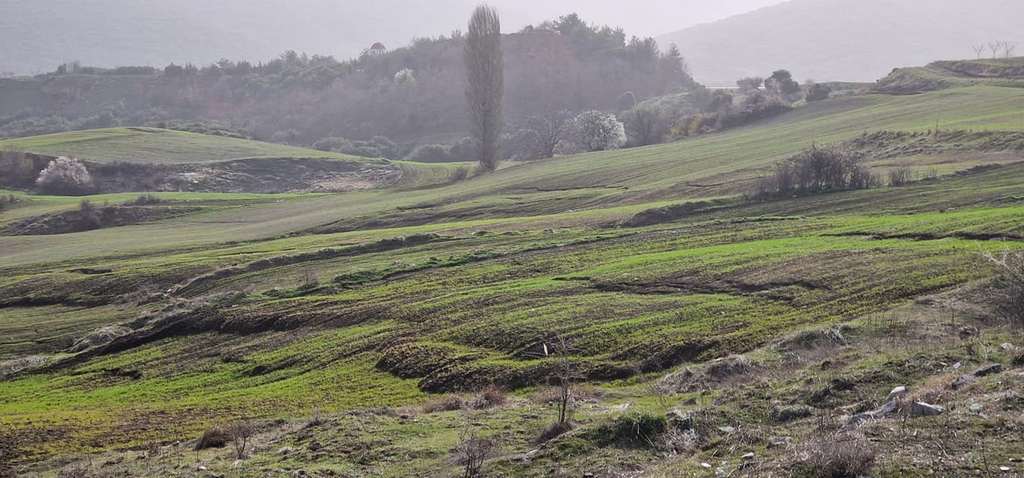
column 88, row 216
column 215, row 437
column 1008, row 294
column 65, row 176
column 241, row 434
column 77, row 470
column 635, row 429
column 310, row 280
column 471, row 453
column 818, row 92
column 460, row 174
column 446, row 403
column 835, row 455
column 900, row 176
column 146, row 200
column 490, row 397
column 316, row 420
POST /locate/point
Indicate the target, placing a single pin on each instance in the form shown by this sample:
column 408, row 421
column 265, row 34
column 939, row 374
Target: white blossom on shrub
column 597, row 131
column 65, row 176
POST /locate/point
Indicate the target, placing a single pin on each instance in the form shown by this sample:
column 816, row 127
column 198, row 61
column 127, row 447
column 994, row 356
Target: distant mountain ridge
column 845, row 40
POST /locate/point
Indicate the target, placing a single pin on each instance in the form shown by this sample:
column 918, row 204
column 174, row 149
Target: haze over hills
column 38, row 35
column 844, row 39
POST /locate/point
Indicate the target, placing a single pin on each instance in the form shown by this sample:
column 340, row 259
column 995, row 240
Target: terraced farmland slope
column 151, row 159
column 360, row 308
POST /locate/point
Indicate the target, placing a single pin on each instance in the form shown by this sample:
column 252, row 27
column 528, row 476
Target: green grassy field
column 272, row 306
column 153, row 145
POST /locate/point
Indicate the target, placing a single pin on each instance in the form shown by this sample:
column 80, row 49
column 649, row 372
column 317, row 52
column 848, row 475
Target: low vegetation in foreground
column 652, row 311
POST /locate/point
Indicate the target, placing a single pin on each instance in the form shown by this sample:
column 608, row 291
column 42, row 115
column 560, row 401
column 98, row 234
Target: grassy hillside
column 948, row 74
column 360, row 308
column 152, row 145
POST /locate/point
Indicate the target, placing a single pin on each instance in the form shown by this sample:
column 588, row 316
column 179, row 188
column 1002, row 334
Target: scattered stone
column 749, row 456
column 300, row 474
column 778, row 442
column 784, row 414
column 1004, row 468
column 957, row 366
column 897, row 393
column 727, row 430
column 706, row 465
column 990, row 369
column 962, row 381
column 885, row 410
column 1008, row 347
column 921, row 409
column 976, row 407
column 285, row 451
column 315, row 446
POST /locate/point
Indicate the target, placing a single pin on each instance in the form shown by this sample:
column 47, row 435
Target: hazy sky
column 36, row 35
column 647, row 17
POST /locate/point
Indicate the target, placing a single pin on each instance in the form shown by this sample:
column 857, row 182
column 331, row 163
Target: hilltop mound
column 850, row 40
column 947, row 74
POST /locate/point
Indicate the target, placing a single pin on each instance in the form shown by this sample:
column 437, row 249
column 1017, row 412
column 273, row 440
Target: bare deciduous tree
column 241, row 433
column 471, row 452
column 1009, row 49
column 549, row 128
column 978, row 50
column 564, row 376
column 995, row 47
column 485, row 88
column 1008, row 296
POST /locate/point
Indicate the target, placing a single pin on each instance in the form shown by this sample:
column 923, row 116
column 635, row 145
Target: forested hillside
column 410, row 94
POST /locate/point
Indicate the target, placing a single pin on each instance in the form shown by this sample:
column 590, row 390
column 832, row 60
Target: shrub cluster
column 640, row 429
column 65, row 176
column 818, row 170
column 832, row 455
column 378, row 147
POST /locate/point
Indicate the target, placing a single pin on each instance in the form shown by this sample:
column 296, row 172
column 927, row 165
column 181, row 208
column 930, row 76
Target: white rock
column 921, row 409
column 898, row 392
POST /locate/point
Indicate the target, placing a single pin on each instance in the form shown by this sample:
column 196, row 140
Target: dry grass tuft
column 835, row 455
